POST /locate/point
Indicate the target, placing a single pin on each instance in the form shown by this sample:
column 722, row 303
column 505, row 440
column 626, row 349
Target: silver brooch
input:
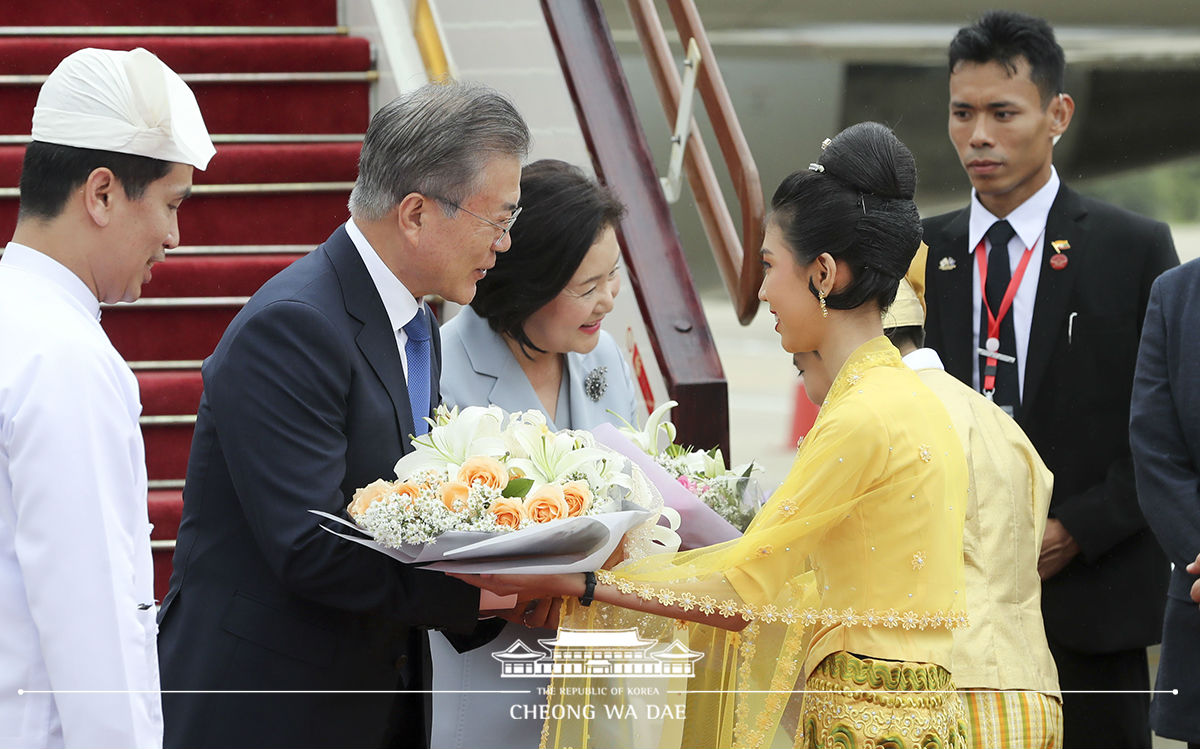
column 596, row 383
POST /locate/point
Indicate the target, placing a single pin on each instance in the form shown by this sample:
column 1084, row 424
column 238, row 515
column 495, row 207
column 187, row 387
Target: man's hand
column 1058, row 548
column 1194, row 568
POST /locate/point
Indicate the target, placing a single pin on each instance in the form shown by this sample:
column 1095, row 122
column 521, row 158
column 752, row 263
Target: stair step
column 158, row 13
column 238, row 249
column 26, row 31
column 170, row 392
column 213, row 54
column 257, row 107
column 165, row 508
column 246, row 163
column 167, row 448
column 283, row 218
column 146, row 333
column 221, row 275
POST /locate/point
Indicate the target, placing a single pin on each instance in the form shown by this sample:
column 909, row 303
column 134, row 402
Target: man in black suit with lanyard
column 1036, row 297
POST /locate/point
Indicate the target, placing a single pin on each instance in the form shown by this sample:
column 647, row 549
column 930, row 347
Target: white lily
column 531, row 423
column 551, row 456
column 450, row 441
column 658, row 424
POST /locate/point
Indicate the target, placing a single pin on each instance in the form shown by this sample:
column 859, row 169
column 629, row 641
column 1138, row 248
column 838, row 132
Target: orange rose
column 407, row 489
column 484, row 469
column 546, row 503
column 509, row 512
column 578, row 496
column 368, row 495
column 455, row 492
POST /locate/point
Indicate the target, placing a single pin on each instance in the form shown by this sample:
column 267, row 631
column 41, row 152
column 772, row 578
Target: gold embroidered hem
column 866, row 703
column 889, row 618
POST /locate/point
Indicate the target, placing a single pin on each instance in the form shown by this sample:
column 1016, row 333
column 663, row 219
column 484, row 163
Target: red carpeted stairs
column 285, row 94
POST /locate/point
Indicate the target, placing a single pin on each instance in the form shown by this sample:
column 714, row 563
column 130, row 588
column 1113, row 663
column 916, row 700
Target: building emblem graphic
column 590, row 652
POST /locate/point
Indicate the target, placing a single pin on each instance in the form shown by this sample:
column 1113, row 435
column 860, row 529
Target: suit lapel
column 490, row 357
column 376, row 339
column 953, row 288
column 1050, row 309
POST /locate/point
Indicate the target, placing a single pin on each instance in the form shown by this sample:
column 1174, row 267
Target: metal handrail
column 736, row 256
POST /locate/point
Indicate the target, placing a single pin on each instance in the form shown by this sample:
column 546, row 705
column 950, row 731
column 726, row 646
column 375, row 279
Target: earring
column 824, row 309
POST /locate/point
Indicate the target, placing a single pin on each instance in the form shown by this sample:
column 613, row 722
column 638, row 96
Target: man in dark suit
column 311, row 394
column 1036, row 296
column 1164, row 432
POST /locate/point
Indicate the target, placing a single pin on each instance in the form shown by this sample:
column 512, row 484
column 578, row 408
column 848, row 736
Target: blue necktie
column 416, row 350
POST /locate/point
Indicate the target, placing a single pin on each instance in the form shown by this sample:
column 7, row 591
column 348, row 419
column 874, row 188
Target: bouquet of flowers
column 482, row 493
column 733, row 494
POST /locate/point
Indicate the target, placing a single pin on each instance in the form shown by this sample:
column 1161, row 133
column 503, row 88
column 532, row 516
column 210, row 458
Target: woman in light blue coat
column 531, row 339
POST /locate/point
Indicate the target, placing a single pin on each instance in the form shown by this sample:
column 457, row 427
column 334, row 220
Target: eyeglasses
column 504, row 228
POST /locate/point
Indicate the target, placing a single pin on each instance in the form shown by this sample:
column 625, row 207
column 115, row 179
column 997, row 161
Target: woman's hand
column 528, row 587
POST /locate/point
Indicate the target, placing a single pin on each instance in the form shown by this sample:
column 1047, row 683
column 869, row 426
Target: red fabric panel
column 141, row 333
column 315, row 108
column 171, row 392
column 38, row 55
column 159, row 13
column 167, row 450
column 215, row 275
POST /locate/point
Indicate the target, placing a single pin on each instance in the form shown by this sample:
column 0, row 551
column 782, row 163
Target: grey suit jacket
column 478, row 368
column 1164, row 432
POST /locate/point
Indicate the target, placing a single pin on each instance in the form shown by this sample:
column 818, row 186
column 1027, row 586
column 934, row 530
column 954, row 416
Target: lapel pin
column 947, row 263
column 1058, row 261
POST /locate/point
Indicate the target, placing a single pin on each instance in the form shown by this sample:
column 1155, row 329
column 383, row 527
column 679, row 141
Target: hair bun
column 871, row 159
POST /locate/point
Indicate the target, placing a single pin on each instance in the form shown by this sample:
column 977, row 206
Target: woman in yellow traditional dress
column 829, row 622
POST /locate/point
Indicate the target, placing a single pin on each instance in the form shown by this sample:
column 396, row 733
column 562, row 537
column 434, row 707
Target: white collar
column 399, row 302
column 24, row 258
column 1028, row 220
column 923, row 358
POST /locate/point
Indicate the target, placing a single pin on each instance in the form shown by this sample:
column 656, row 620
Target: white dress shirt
column 76, row 577
column 1028, row 220
column 399, row 302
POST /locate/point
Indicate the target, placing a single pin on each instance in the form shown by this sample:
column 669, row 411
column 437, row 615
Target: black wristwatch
column 589, row 588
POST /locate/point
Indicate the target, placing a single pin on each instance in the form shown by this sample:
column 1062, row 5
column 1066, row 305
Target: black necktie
column 998, row 276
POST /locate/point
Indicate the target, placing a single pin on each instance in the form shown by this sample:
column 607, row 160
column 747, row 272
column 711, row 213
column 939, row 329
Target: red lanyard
column 994, row 319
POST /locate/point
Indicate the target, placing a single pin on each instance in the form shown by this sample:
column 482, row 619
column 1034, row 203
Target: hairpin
column 816, row 168
column 825, row 143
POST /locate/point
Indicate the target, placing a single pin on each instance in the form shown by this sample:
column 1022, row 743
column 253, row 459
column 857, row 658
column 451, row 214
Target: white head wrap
column 128, row 102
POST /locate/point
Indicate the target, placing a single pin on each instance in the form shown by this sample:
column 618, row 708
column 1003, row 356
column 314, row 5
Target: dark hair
column 857, row 205
column 913, row 335
column 563, row 213
column 50, row 172
column 1004, row 36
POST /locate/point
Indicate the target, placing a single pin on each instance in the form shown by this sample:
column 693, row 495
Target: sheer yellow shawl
column 859, row 550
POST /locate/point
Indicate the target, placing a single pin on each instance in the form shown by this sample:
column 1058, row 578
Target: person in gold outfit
column 830, row 621
column 1001, row 662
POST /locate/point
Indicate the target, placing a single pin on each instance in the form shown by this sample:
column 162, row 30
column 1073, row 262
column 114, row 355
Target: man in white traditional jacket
column 116, row 136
